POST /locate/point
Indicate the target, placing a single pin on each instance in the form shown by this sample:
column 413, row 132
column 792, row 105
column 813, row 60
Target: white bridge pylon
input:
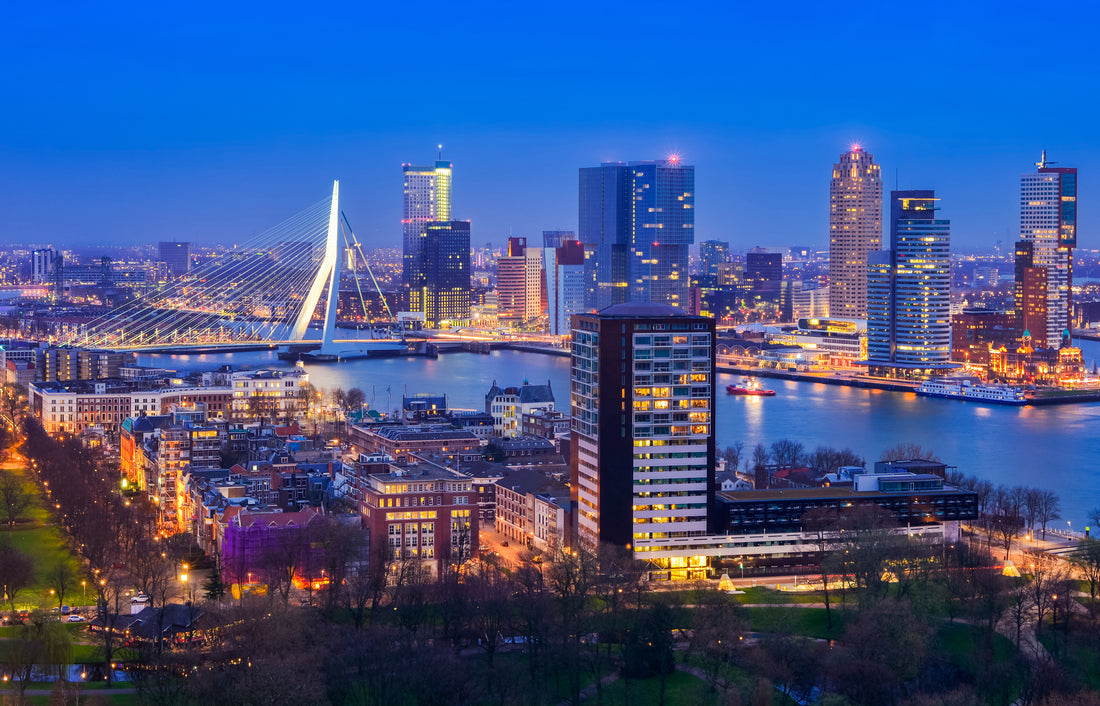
column 330, row 269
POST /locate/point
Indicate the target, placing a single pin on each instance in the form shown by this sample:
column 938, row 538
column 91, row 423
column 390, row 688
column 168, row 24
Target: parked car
column 140, row 598
column 75, row 619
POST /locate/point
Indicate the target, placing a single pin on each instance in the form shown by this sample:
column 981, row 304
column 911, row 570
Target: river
column 1056, row 447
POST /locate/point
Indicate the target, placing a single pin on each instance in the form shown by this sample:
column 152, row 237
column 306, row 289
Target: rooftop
column 642, row 309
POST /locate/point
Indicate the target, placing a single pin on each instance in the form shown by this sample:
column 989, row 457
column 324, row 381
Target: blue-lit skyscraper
column 639, row 220
column 909, row 292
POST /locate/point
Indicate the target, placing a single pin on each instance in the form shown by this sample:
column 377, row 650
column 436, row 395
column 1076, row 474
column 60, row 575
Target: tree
column 821, row 524
column 787, row 452
column 868, row 544
column 1048, row 509
column 213, row 588
column 16, row 572
column 14, row 498
column 907, row 451
column 826, row 459
column 356, row 398
column 732, row 455
column 61, row 579
column 759, row 457
column 13, row 402
column 1086, row 557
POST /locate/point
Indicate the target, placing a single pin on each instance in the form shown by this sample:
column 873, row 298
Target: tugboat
column 751, row 387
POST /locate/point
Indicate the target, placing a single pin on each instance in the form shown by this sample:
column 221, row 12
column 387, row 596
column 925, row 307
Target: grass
column 964, row 645
column 810, row 622
column 46, row 544
column 1079, row 654
column 680, row 688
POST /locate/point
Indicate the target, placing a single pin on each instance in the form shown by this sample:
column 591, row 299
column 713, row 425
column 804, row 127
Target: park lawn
column 810, row 622
column 680, row 688
column 46, row 544
column 766, row 596
column 1081, row 657
column 964, row 646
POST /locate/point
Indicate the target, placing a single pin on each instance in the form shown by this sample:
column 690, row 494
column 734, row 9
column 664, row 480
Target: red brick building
column 420, row 510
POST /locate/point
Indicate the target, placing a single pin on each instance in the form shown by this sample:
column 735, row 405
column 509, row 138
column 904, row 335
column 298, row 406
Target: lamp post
column 84, row 588
column 183, row 580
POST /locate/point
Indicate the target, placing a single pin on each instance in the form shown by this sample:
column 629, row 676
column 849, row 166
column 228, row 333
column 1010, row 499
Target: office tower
column 1048, row 234
column 427, row 199
column 909, row 292
column 642, row 456
column 711, row 254
column 855, row 229
column 563, row 268
column 445, row 264
column 177, row 256
column 519, row 281
column 556, row 238
column 639, row 219
column 42, row 264
column 1030, row 293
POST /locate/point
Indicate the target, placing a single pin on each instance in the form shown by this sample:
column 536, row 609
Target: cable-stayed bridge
column 275, row 289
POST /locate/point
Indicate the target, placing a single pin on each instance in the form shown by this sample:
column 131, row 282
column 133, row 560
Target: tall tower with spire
column 1044, row 253
column 855, row 229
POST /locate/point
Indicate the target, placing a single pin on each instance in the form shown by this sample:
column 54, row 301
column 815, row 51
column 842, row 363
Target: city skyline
column 207, row 139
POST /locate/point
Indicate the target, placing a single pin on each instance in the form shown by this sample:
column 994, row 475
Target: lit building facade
column 444, row 291
column 909, row 292
column 642, row 402
column 563, row 269
column 177, row 256
column 427, row 198
column 1048, row 235
column 639, row 219
column 855, row 229
column 711, row 254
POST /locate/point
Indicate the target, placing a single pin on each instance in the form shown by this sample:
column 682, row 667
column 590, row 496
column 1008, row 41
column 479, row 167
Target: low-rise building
column 423, row 511
column 509, row 404
column 404, row 443
column 532, row 509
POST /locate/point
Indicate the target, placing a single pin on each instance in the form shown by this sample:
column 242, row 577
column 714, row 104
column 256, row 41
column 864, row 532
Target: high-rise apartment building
column 177, row 256
column 563, row 268
column 445, row 264
column 711, row 254
column 555, row 238
column 42, row 265
column 427, row 198
column 1044, row 255
column 855, row 229
column 639, row 219
column 642, row 400
column 909, row 292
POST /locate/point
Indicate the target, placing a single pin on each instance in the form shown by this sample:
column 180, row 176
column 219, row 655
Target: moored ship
column 975, row 392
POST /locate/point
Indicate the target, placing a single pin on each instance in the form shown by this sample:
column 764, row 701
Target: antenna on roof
column 441, row 153
column 1043, row 163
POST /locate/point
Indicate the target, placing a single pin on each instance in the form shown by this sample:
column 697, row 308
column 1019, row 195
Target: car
column 65, row 610
column 75, row 619
column 140, row 598
column 504, row 543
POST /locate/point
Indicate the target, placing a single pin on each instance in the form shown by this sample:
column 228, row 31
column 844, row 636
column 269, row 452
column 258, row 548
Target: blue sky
column 141, row 122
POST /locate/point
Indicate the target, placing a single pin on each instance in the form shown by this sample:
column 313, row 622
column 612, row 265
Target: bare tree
column 821, row 524
column 906, row 451
column 62, row 579
column 788, row 452
column 1048, row 509
column 732, row 455
column 1086, row 557
column 1047, row 579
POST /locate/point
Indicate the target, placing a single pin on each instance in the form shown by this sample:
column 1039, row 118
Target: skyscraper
column 639, row 219
column 642, row 457
column 427, row 198
column 563, row 268
column 855, row 229
column 177, row 256
column 711, row 254
column 909, row 292
column 42, row 265
column 1048, row 234
column 519, row 281
column 445, row 264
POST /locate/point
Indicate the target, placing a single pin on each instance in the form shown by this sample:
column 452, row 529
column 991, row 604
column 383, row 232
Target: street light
column 84, row 587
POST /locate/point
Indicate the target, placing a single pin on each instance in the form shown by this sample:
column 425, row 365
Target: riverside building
column 642, row 457
column 855, row 229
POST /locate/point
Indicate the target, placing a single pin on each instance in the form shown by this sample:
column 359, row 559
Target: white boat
column 969, row 390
